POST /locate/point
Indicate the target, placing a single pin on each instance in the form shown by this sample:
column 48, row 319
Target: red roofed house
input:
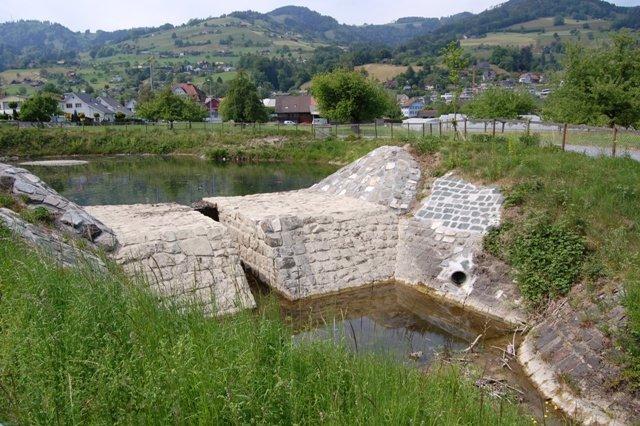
column 190, row 90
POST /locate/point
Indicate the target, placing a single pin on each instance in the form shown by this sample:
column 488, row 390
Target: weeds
column 78, row 346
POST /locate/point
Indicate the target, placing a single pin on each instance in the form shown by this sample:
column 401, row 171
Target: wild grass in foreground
column 77, row 346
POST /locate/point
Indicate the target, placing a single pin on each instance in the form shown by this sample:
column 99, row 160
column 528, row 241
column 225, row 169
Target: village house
column 213, row 106
column 114, row 105
column 190, row 90
column 531, row 78
column 297, row 109
column 6, row 101
column 410, row 108
column 75, row 103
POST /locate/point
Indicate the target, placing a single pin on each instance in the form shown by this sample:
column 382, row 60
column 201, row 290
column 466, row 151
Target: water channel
column 390, row 320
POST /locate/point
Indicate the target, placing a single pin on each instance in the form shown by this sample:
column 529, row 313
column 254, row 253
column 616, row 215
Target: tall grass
column 77, row 346
column 251, row 145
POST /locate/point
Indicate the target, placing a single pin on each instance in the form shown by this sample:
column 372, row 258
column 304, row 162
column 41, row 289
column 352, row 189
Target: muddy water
column 400, row 322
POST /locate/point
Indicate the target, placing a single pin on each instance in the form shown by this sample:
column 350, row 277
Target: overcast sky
column 119, row 14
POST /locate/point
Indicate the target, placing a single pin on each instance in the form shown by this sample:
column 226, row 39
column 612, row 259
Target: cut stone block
column 181, row 253
column 306, row 243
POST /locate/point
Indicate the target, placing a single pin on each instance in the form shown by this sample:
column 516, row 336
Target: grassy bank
column 250, row 145
column 569, row 219
column 80, row 347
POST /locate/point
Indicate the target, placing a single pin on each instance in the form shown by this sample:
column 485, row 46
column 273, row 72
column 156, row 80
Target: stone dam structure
column 381, row 219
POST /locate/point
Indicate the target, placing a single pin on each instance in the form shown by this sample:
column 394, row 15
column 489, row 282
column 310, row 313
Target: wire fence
column 608, row 141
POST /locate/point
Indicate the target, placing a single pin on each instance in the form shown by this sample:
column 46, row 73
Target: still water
column 180, row 179
column 391, row 320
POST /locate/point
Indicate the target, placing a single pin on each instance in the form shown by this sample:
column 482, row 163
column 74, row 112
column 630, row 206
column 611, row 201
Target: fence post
column 408, row 130
column 564, row 136
column 439, row 128
column 503, row 123
column 336, row 130
column 615, row 141
column 528, row 126
column 485, row 127
column 493, row 132
column 465, row 128
column 392, row 129
column 375, row 126
column 423, row 126
column 430, row 129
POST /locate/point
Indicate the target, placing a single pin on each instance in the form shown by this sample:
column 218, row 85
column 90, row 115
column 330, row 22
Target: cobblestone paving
column 461, row 206
column 388, row 176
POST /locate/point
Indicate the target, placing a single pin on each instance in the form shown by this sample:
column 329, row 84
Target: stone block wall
column 181, row 253
column 305, row 243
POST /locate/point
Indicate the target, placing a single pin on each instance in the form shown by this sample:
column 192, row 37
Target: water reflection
column 182, row 179
column 391, row 320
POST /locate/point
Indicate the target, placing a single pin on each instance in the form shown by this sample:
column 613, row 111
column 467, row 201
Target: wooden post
column 485, row 127
column 408, row 130
column 502, row 127
column 564, row 136
column 493, row 132
column 392, row 129
column 431, row 129
column 465, row 128
column 375, row 126
column 439, row 128
column 528, row 127
column 336, row 130
column 615, row 141
column 423, row 126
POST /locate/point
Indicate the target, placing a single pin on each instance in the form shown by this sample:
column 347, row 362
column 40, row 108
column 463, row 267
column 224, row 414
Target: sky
column 121, row 14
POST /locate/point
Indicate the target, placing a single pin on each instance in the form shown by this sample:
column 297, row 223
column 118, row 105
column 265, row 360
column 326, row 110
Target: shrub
column 428, row 144
column 482, row 138
column 530, row 139
column 518, row 193
column 218, row 154
column 548, row 259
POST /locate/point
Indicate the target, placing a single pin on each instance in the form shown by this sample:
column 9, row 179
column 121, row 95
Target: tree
column 242, row 103
column 599, row 86
column 499, row 103
column 168, row 106
column 40, row 107
column 455, row 61
column 558, row 21
column 348, row 97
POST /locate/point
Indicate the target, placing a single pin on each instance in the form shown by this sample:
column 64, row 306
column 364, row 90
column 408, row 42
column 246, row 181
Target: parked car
column 289, row 122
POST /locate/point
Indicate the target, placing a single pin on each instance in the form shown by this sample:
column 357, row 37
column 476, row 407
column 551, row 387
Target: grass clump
column 7, row 201
column 78, row 346
column 37, row 215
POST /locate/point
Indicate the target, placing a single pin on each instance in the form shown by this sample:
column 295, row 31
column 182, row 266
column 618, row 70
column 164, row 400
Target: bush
column 530, row 139
column 548, row 259
column 482, row 138
column 428, row 144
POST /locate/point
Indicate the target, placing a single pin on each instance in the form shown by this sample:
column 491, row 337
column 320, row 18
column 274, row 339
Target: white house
column 82, row 103
column 7, row 100
column 412, row 107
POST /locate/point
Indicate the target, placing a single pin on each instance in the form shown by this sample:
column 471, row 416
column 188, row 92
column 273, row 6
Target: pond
column 390, row 320
column 179, row 179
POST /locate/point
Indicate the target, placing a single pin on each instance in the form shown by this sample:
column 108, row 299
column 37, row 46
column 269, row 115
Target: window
column 78, row 105
column 69, row 106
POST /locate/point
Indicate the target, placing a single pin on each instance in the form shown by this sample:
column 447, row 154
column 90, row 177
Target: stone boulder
column 68, row 216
